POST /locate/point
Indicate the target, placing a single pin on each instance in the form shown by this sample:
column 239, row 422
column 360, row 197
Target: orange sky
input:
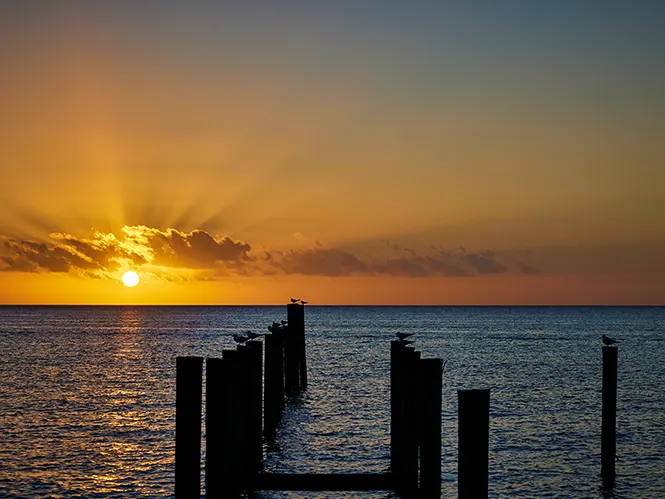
column 438, row 155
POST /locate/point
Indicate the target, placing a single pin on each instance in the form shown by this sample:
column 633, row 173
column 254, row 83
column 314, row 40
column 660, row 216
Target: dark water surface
column 87, row 394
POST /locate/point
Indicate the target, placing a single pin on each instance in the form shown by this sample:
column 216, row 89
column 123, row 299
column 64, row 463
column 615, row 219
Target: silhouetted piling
column 189, row 380
column 609, row 417
column 404, row 416
column 295, row 314
column 408, row 479
column 216, row 411
column 431, row 385
column 273, row 383
column 255, row 381
column 396, row 384
column 473, row 443
column 291, row 370
column 235, row 431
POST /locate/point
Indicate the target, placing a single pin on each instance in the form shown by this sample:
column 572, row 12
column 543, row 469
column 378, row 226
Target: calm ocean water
column 87, row 394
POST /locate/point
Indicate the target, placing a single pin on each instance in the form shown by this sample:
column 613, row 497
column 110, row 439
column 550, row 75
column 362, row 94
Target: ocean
column 87, row 395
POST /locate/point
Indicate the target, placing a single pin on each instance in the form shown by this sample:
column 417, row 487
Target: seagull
column 252, row 336
column 303, row 302
column 608, row 341
column 284, row 323
column 403, row 336
column 294, row 300
column 239, row 338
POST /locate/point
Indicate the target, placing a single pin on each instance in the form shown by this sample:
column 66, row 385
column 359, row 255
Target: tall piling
column 291, row 369
column 473, row 443
column 235, row 432
column 295, row 314
column 410, row 422
column 189, row 392
column 273, row 383
column 609, row 417
column 430, row 376
column 396, row 389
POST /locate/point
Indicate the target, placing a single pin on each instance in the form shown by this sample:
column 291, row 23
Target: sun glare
column 130, row 279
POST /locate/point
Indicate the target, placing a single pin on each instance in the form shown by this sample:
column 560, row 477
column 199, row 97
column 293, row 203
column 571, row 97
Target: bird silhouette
column 252, row 336
column 284, row 323
column 609, row 341
column 303, row 302
column 294, row 300
column 403, row 336
column 239, row 338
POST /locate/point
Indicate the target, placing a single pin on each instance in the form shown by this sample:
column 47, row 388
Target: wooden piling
column 431, row 371
column 291, row 370
column 295, row 314
column 473, row 443
column 189, row 391
column 273, row 383
column 609, row 415
column 216, row 411
column 408, row 477
column 235, row 431
column 255, row 421
column 396, row 383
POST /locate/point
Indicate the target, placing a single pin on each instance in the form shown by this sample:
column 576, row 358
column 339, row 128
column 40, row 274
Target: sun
column 130, row 279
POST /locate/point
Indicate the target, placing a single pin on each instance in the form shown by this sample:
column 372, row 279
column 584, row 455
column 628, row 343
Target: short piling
column 236, row 430
column 255, row 393
column 609, row 417
column 273, row 383
column 431, row 371
column 216, row 411
column 189, row 391
column 473, row 443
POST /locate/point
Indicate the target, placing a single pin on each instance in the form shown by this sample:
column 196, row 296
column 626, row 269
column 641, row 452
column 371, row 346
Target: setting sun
column 130, row 279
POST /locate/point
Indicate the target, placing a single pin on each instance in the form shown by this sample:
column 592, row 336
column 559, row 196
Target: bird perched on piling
column 239, row 338
column 608, row 341
column 303, row 302
column 276, row 326
column 403, row 336
column 295, row 300
column 252, row 336
column 284, row 323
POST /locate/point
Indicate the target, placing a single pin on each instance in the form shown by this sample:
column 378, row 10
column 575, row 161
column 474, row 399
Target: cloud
column 172, row 254
column 485, row 263
column 321, row 261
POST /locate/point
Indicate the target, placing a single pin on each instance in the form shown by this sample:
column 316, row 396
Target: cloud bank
column 207, row 256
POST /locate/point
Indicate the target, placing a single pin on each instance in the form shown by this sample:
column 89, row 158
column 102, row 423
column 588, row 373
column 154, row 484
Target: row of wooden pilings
column 243, row 406
column 236, row 399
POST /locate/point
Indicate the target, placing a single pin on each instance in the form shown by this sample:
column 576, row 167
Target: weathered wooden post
column 189, row 391
column 473, row 443
column 431, row 371
column 295, row 314
column 216, row 421
column 273, row 383
column 291, row 370
column 609, row 417
column 396, row 383
column 410, row 421
column 235, row 430
column 255, row 420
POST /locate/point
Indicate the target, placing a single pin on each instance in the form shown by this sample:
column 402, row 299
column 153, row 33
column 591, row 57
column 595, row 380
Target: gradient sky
column 347, row 152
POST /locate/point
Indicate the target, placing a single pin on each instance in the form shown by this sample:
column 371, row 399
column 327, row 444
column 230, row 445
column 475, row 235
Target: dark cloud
column 321, row 261
column 484, row 263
